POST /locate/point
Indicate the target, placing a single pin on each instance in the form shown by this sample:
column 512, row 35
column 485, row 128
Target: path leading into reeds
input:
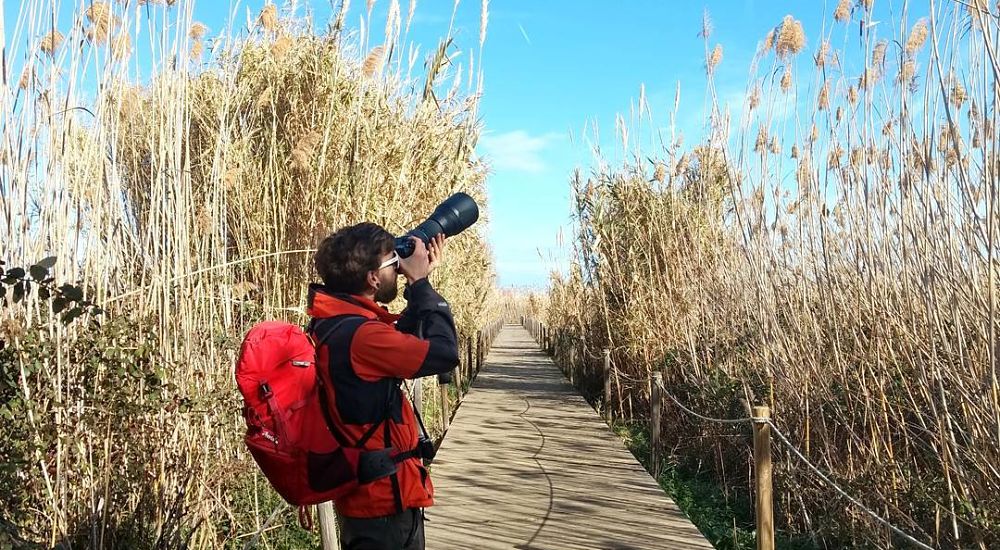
column 527, row 463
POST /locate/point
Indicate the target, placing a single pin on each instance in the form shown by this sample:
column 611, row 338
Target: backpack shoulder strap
column 352, row 322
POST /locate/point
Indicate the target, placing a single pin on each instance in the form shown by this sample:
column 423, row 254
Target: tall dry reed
column 182, row 177
column 831, row 253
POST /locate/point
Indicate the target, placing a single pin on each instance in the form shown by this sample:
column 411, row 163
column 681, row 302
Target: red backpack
column 301, row 454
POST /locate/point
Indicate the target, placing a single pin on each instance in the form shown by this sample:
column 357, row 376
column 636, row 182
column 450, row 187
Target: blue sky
column 553, row 68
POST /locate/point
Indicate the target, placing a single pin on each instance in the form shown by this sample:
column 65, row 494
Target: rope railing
column 744, row 420
column 765, row 419
column 554, row 344
column 760, row 419
column 843, row 493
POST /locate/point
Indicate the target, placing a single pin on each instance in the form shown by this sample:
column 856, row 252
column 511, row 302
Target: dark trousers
column 402, row 531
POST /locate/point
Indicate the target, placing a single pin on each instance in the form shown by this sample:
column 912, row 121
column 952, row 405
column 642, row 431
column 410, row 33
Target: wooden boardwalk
column 527, row 463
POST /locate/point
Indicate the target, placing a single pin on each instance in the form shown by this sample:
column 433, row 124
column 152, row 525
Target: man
column 367, row 351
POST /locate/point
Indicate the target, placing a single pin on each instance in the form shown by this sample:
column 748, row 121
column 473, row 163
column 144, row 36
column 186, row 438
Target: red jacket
column 365, row 366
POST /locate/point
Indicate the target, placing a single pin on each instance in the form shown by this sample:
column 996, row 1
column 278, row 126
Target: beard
column 387, row 292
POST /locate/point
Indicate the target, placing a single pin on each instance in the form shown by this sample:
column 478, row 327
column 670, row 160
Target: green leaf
column 3, row 292
column 58, row 304
column 18, row 292
column 38, row 272
column 47, row 263
column 15, row 273
column 43, row 293
column 72, row 314
column 72, row 293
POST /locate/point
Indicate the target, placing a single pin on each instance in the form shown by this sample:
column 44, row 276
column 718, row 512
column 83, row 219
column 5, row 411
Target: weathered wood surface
column 527, row 463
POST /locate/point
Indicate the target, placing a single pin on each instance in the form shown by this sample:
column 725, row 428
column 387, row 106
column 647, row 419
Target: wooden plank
column 527, row 463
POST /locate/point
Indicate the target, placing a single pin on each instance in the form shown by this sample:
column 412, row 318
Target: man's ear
column 372, row 279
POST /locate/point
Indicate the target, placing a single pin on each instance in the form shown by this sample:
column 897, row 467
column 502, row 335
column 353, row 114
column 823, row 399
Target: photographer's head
column 359, row 260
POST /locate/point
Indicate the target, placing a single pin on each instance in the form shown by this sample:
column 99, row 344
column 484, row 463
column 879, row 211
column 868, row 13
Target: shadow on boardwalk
column 527, row 463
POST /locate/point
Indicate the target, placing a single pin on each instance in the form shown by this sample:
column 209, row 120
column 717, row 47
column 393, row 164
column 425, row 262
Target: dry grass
column 187, row 207
column 852, row 289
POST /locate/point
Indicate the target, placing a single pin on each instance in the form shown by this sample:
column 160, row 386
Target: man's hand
column 436, row 251
column 417, row 266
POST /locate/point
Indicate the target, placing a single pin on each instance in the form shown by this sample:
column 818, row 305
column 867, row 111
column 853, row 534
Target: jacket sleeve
column 380, row 351
column 429, row 311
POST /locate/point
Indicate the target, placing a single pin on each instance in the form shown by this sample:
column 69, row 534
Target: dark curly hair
column 345, row 257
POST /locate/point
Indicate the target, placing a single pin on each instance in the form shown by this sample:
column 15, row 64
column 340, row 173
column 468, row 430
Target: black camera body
column 425, row 448
column 451, row 217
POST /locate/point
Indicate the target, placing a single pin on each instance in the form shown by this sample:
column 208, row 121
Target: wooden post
column 468, row 359
column 569, row 371
column 445, row 405
column 479, row 350
column 607, row 382
column 762, row 476
column 328, row 526
column 656, row 406
column 572, row 356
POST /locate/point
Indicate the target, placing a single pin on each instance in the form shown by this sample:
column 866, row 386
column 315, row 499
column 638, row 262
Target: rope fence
column 843, row 493
column 762, row 424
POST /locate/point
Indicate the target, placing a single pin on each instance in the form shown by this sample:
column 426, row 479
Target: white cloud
column 420, row 18
column 517, row 150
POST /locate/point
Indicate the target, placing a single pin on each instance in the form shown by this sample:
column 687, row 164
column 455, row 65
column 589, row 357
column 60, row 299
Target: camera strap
column 405, row 388
column 423, row 430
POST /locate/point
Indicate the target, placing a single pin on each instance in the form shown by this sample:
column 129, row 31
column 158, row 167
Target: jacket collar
column 324, row 303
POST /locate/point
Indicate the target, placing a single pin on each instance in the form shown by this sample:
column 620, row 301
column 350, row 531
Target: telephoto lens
column 451, row 217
